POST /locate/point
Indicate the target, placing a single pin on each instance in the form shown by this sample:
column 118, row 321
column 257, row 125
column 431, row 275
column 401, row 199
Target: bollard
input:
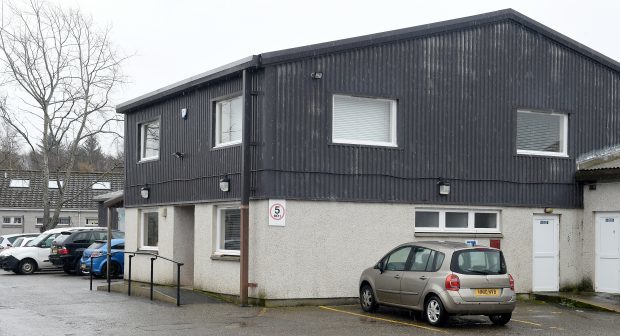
column 179, row 284
column 129, row 280
column 152, row 260
column 91, row 273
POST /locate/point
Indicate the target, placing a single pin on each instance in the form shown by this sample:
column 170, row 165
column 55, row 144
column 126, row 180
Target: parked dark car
column 68, row 247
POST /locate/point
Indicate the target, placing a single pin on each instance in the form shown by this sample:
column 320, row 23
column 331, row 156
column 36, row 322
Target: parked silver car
column 441, row 279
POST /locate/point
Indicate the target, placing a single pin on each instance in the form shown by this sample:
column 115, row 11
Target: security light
column 184, row 113
column 316, row 75
column 444, row 187
column 144, row 192
column 178, row 155
column 225, row 184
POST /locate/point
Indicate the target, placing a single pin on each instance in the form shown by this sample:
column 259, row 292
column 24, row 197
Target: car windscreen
column 478, row 261
column 18, row 242
column 61, row 238
column 38, row 239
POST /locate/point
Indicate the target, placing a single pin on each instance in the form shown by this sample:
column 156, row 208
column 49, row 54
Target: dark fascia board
column 314, row 50
column 225, row 70
column 592, row 175
column 436, row 28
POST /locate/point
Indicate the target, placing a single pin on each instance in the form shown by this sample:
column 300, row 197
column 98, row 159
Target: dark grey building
column 466, row 129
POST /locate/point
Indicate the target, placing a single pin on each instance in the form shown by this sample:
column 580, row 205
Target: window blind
column 230, row 120
column 362, row 119
column 539, row 132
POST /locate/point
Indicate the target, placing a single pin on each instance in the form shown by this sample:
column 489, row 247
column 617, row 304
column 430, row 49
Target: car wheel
column 500, row 319
column 115, row 270
column 435, row 313
column 367, row 299
column 78, row 268
column 27, row 267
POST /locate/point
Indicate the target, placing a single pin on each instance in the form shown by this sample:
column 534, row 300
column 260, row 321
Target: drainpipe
column 245, row 185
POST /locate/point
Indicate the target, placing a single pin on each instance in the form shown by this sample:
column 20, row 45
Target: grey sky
column 173, row 40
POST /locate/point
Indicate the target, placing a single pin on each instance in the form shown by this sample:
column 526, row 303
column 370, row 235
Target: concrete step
column 160, row 293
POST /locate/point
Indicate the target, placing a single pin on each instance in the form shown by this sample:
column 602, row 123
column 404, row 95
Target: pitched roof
column 30, row 197
column 314, row 50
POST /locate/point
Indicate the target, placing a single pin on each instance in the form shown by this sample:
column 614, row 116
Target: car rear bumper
column 9, row 263
column 62, row 260
column 454, row 304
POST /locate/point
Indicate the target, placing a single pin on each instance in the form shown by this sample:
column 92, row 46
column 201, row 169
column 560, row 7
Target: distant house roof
column 598, row 165
column 15, row 192
column 320, row 49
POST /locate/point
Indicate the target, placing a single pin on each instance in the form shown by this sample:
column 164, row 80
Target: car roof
column 445, row 246
column 76, row 228
column 20, row 235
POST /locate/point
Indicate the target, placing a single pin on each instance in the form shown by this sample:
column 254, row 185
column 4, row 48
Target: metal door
column 546, row 266
column 607, row 266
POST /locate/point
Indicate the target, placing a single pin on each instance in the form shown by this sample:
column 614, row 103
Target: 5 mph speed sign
column 277, row 212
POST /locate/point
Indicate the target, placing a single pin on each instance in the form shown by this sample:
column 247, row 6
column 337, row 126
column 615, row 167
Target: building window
column 92, row 221
column 64, row 221
column 449, row 220
column 364, row 121
column 542, row 133
column 228, row 121
column 150, row 230
column 102, row 186
column 228, row 230
column 12, row 221
column 149, row 140
column 54, row 184
column 19, row 184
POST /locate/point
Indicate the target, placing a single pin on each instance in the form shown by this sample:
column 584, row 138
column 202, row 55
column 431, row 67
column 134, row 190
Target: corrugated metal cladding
column 195, row 176
column 457, row 97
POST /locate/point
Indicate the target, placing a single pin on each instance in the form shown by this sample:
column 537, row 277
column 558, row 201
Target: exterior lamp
column 444, row 187
column 144, row 192
column 225, row 184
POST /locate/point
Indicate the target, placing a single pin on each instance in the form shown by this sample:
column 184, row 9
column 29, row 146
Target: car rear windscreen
column 478, row 261
column 96, row 245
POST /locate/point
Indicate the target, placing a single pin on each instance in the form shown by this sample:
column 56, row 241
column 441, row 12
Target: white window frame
column 18, row 183
column 142, row 230
column 218, row 130
column 91, row 224
column 104, row 185
column 563, row 136
column 12, row 221
column 143, row 141
column 471, row 217
column 218, row 231
column 54, row 184
column 393, row 124
column 37, row 224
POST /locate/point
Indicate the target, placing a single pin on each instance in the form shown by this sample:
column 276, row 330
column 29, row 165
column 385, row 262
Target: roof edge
column 224, row 70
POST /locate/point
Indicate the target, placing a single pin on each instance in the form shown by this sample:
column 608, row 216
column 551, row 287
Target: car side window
column 82, row 238
column 397, row 260
column 101, row 236
column 120, row 246
column 420, row 259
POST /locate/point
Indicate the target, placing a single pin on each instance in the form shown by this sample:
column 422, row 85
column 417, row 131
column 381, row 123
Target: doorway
column 607, row 268
column 546, row 254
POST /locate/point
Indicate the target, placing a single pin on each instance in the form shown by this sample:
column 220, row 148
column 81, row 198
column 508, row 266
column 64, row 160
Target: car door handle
column 423, row 278
column 397, row 276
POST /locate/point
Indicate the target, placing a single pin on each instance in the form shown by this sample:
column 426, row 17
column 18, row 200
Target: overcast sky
column 176, row 39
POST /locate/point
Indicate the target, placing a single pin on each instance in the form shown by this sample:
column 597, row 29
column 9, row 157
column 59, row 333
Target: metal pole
column 129, row 280
column 152, row 260
column 91, row 272
column 179, row 284
column 245, row 186
column 108, row 257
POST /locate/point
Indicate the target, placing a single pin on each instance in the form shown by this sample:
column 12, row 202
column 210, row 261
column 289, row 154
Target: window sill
column 542, row 154
column 460, row 234
column 149, row 249
column 225, row 257
column 145, row 160
column 227, row 144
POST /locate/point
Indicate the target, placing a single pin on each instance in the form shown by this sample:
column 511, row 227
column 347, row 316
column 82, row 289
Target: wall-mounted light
column 548, row 210
column 178, row 155
column 316, row 75
column 184, row 113
column 144, row 192
column 444, row 187
column 225, row 184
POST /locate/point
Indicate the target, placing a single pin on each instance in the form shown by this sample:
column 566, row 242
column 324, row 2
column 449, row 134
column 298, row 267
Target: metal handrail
column 153, row 258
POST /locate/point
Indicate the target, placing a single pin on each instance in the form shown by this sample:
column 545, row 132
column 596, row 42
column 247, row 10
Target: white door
column 546, row 265
column 607, row 277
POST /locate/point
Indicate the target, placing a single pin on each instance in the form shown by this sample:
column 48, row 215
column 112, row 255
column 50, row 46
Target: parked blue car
column 97, row 252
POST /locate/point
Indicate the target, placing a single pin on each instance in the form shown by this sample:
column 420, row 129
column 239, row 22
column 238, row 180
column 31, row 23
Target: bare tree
column 10, row 156
column 64, row 70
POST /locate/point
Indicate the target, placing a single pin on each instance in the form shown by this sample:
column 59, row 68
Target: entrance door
column 607, row 266
column 546, row 266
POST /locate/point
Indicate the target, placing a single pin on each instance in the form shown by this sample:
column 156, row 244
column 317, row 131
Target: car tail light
column 512, row 282
column 453, row 283
column 63, row 251
column 95, row 254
